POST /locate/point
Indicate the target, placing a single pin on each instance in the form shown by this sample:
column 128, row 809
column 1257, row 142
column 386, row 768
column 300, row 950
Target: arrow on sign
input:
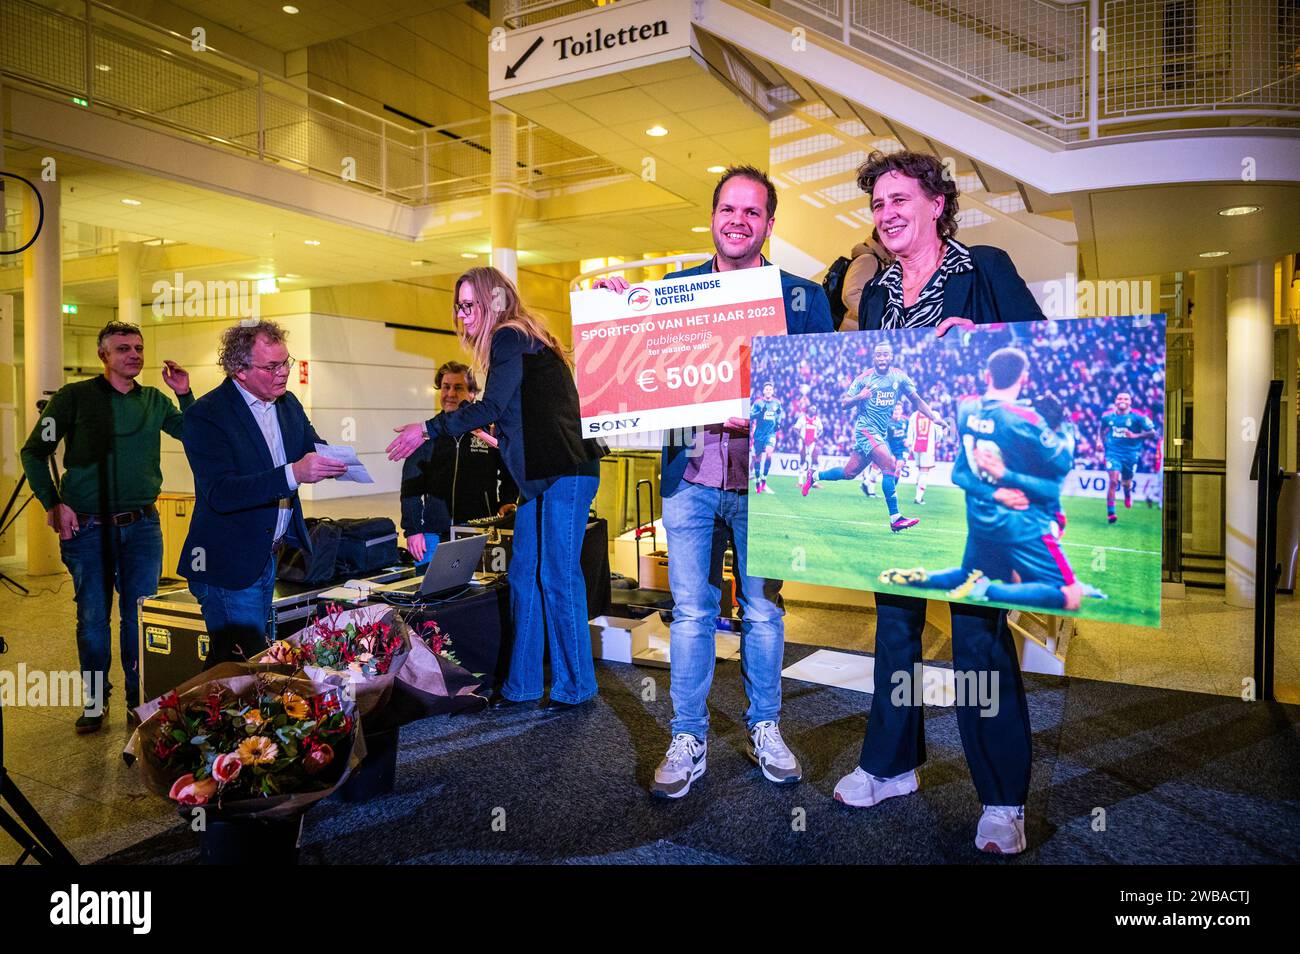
column 512, row 70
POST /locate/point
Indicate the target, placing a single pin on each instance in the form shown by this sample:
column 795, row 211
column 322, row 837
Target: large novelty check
column 672, row 353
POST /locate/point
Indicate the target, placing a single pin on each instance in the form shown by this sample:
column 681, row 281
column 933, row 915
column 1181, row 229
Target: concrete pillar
column 11, row 435
column 1210, row 330
column 42, row 348
column 1249, row 368
column 1209, row 378
column 505, row 193
column 128, row 281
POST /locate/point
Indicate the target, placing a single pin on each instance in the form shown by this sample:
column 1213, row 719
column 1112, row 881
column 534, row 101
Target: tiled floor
column 97, row 804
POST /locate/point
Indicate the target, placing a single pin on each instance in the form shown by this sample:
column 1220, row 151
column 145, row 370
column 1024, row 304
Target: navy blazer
column 812, row 316
column 238, row 488
column 991, row 292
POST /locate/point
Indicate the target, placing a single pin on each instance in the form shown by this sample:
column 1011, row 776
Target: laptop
column 453, row 564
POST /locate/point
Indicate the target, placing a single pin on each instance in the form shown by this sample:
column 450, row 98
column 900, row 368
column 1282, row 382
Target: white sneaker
column 770, row 753
column 861, row 789
column 683, row 764
column 1001, row 830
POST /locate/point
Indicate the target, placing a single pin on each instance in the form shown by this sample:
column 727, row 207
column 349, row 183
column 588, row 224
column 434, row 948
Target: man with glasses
column 103, row 507
column 250, row 445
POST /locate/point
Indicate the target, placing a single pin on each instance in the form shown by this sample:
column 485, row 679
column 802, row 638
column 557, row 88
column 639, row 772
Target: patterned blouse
column 928, row 308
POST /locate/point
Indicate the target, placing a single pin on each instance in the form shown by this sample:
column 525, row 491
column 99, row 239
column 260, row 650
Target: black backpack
column 296, row 566
column 366, row 544
column 833, row 285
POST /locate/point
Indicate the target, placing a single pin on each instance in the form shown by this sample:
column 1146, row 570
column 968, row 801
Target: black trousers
column 992, row 712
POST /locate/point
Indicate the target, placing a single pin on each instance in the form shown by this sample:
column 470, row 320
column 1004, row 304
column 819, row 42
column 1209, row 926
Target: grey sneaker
column 861, row 789
column 770, row 753
column 683, row 763
column 1001, row 830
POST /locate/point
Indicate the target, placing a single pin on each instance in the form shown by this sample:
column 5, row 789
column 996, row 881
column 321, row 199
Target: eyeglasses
column 285, row 365
column 464, row 307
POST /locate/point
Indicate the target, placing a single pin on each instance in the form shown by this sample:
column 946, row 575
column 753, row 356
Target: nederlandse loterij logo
column 639, row 298
column 75, row 907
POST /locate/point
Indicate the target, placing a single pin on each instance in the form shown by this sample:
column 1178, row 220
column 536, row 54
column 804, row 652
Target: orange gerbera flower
column 257, row 750
column 295, row 706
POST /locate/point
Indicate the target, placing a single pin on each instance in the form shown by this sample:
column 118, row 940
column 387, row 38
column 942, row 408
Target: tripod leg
column 26, row 842
column 42, row 843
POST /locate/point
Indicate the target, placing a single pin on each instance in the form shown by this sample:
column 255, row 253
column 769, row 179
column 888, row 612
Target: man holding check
column 704, row 492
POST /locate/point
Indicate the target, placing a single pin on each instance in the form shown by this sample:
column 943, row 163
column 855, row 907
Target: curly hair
column 929, row 171
column 235, row 353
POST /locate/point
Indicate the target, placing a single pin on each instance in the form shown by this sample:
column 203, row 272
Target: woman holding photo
column 935, row 281
column 532, row 399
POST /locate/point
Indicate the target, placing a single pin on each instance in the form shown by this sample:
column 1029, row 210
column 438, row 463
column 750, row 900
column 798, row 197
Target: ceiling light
column 1214, row 254
column 716, row 170
column 656, row 130
column 310, row 242
column 266, row 286
column 130, row 201
column 103, row 67
column 420, row 262
column 291, row 275
column 1239, row 210
column 289, row 9
column 469, row 254
column 699, row 228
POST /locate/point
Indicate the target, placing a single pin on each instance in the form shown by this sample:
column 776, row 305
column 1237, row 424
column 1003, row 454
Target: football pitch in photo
column 837, row 536
column 1018, row 465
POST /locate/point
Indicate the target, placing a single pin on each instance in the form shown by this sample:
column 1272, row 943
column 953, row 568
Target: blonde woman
column 531, row 398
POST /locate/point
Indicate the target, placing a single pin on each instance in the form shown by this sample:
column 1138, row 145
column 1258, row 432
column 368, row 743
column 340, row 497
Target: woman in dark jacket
column 935, row 281
column 531, row 398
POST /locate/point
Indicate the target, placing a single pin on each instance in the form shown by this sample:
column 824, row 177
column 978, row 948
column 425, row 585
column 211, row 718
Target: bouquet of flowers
column 260, row 742
column 362, row 649
column 354, row 641
column 437, row 640
column 375, row 656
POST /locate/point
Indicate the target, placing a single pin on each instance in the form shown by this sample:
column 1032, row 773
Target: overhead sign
column 607, row 37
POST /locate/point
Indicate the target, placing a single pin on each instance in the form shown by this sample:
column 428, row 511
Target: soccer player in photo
column 922, row 435
column 1013, row 554
column 897, row 435
column 809, row 429
column 765, row 415
column 1123, row 432
column 875, row 392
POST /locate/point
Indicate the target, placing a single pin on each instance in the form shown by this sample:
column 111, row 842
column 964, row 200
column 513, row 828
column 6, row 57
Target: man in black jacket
column 452, row 479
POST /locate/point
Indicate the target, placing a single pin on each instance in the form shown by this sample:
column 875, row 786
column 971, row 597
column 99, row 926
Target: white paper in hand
column 347, row 455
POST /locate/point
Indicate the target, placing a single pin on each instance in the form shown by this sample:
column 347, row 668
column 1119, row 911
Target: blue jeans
column 238, row 621
column 548, row 595
column 699, row 521
column 101, row 558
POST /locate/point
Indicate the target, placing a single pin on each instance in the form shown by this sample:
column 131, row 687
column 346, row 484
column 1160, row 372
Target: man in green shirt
column 103, row 507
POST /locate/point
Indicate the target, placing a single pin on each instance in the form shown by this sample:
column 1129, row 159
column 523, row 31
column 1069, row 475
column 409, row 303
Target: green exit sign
column 69, row 309
column 80, row 102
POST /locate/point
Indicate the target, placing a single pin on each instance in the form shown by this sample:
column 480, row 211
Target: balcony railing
column 108, row 60
column 1075, row 70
